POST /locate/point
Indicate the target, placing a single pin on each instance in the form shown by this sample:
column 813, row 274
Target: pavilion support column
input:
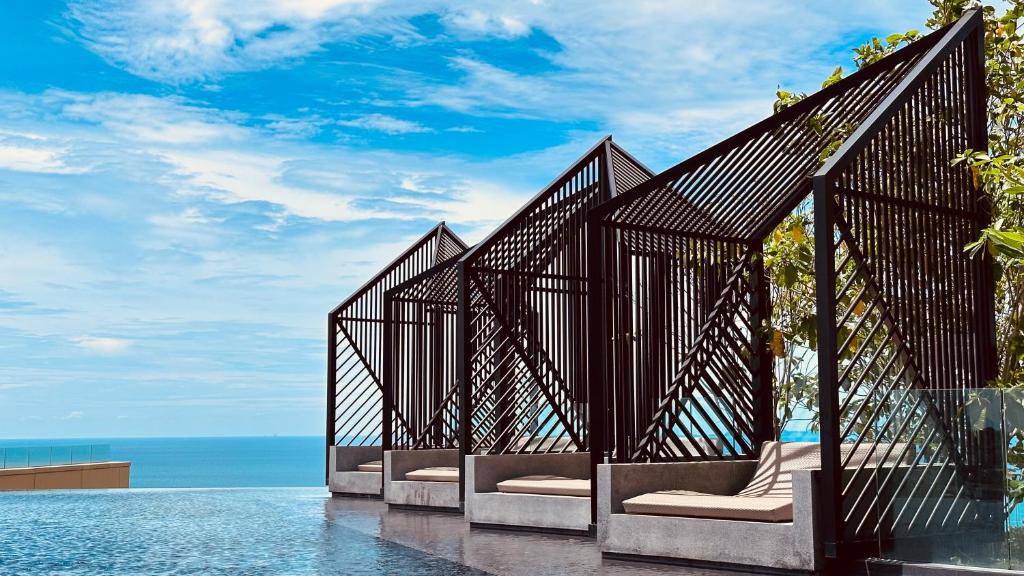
column 828, row 369
column 388, row 376
column 985, row 289
column 599, row 417
column 463, row 317
column 762, row 361
column 332, row 390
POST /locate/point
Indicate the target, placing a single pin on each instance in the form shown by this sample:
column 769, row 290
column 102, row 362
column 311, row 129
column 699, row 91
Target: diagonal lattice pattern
column 421, row 392
column 526, row 360
column 355, row 343
column 679, row 300
column 912, row 326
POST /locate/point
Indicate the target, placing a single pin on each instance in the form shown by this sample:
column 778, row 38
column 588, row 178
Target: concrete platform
column 789, row 546
column 93, row 475
column 345, row 480
column 433, row 495
column 485, row 506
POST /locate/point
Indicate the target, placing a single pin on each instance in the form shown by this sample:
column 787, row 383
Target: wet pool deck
column 498, row 552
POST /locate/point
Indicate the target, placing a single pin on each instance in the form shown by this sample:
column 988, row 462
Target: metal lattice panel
column 525, row 359
column 679, row 303
column 421, row 391
column 355, row 343
column 912, row 322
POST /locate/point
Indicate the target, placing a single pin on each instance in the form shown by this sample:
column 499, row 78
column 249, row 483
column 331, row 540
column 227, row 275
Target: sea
column 229, row 462
column 212, row 462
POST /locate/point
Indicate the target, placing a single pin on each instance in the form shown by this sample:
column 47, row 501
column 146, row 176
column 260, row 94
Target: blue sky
column 188, row 186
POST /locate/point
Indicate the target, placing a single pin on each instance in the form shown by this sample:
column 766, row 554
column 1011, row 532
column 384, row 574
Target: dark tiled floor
column 497, row 552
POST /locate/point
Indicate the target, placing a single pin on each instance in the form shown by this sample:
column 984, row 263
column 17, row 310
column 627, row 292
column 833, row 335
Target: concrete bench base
column 423, row 494
column 774, row 546
column 523, row 511
column 704, row 541
column 346, row 480
column 407, row 493
column 485, row 506
column 367, row 484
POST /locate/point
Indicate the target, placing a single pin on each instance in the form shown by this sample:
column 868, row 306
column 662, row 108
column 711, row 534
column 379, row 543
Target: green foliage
column 877, row 49
column 789, row 260
column 785, row 99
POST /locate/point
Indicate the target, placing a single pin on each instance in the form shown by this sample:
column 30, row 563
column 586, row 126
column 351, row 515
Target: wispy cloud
column 189, row 40
column 44, row 160
column 102, row 345
column 386, row 124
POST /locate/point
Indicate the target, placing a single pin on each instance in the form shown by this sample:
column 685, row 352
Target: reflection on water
column 492, row 551
column 270, row 531
column 250, row 531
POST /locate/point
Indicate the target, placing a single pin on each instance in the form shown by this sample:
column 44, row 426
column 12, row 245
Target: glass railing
column 32, row 456
column 953, row 492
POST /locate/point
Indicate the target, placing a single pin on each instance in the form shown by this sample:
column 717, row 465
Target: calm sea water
column 212, row 462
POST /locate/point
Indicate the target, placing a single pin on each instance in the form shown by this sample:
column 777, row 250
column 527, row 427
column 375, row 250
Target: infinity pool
column 256, row 531
column 245, row 531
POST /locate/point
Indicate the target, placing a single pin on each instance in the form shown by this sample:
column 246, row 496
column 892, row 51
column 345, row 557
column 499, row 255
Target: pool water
column 204, row 531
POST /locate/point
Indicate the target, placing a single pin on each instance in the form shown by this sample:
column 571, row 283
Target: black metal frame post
column 762, row 361
column 463, row 351
column 332, row 392
column 828, row 375
column 388, row 397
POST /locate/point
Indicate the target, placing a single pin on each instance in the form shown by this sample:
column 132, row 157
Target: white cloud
column 73, row 415
column 102, row 345
column 386, row 124
column 478, row 22
column 185, row 40
column 36, row 159
column 214, row 155
column 619, row 64
column 169, row 120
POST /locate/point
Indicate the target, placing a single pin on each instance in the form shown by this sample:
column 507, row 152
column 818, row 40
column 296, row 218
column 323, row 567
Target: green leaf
column 836, row 76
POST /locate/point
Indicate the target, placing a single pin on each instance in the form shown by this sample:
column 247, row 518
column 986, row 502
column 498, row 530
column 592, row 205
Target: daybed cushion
column 699, row 505
column 375, row 466
column 546, row 485
column 434, row 474
column 768, row 496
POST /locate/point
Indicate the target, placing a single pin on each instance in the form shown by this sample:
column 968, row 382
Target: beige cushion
column 375, row 466
column 435, row 474
column 698, row 505
column 768, row 496
column 546, row 485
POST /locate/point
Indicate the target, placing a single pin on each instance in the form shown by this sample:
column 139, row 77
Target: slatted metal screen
column 907, row 317
column 679, row 302
column 421, row 392
column 524, row 355
column 355, row 358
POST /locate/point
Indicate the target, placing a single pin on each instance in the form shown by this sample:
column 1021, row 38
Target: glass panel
column 38, row 456
column 80, row 454
column 946, row 503
column 15, row 458
column 60, row 455
column 100, row 453
column 1013, row 425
